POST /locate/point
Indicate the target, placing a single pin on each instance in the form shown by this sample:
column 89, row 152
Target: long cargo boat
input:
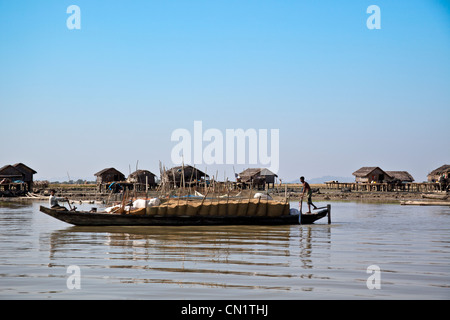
column 250, row 212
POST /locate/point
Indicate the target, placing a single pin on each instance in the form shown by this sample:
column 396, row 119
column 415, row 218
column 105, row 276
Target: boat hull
column 426, row 203
column 82, row 218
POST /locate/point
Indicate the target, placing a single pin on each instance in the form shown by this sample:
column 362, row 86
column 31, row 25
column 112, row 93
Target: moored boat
column 251, row 212
column 425, row 203
column 436, row 196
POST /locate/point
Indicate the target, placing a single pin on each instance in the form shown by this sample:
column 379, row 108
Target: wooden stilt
column 329, row 213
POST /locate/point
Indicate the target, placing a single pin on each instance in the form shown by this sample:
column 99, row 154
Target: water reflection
column 410, row 244
column 200, row 256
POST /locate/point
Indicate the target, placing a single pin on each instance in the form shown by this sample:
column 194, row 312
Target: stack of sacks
column 142, row 203
column 117, row 208
column 113, row 208
column 262, row 196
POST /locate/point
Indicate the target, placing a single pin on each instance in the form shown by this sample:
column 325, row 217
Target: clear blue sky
column 111, row 93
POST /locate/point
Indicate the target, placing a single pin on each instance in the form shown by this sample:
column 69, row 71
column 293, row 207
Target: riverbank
column 89, row 193
column 321, row 193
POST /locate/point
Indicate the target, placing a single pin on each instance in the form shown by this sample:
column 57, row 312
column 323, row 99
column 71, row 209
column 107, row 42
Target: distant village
column 17, row 180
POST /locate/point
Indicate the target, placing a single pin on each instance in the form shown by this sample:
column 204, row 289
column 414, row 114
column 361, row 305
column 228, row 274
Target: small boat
column 425, row 203
column 172, row 214
column 435, row 196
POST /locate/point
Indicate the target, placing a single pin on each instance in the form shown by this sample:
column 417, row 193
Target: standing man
column 53, row 201
column 307, row 189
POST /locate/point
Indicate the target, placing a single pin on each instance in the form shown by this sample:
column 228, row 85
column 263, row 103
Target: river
column 369, row 251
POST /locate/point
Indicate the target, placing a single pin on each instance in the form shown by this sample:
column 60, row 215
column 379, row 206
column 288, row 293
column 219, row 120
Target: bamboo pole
column 190, row 181
column 285, row 192
column 329, row 213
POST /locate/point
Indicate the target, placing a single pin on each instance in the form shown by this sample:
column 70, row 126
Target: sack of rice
column 204, row 209
column 152, row 211
column 139, row 203
column 213, row 209
column 232, row 208
column 154, row 202
column 252, row 206
column 171, row 210
column 112, row 209
column 181, row 209
column 261, row 208
column 262, row 196
column 275, row 209
column 137, row 212
column 192, row 208
column 242, row 209
column 162, row 210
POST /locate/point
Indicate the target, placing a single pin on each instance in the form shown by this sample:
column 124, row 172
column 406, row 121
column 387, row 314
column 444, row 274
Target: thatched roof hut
column 142, row 178
column 27, row 174
column 19, row 170
column 183, row 175
column 369, row 174
column 15, row 181
column 109, row 175
column 434, row 175
column 10, row 172
column 257, row 176
column 402, row 176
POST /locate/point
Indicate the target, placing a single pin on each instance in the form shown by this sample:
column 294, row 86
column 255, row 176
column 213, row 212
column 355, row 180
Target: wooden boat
column 435, row 196
column 250, row 212
column 425, row 203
